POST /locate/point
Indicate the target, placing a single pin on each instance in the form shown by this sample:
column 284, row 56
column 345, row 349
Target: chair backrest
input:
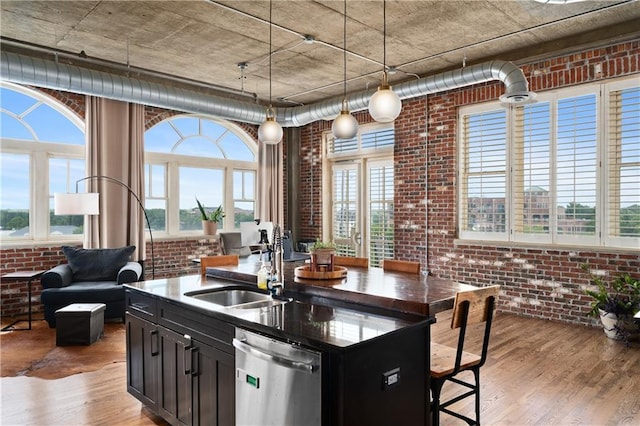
column 473, row 307
column 231, row 243
column 401, row 266
column 361, row 262
column 223, row 260
column 287, row 247
column 479, row 307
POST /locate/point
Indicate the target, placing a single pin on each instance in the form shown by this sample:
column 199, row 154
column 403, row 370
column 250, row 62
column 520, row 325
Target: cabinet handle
column 155, row 344
column 186, row 355
column 140, row 306
column 186, row 359
column 195, row 365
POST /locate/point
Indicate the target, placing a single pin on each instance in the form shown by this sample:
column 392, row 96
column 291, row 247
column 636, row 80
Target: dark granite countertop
column 311, row 324
column 367, row 303
column 397, row 291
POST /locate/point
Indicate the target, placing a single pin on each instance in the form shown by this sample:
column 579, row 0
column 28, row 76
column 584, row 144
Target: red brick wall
column 536, row 281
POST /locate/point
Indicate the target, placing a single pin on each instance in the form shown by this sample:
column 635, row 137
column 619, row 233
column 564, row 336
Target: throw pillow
column 97, row 264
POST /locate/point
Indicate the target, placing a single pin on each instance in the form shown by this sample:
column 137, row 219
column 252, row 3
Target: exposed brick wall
column 537, row 282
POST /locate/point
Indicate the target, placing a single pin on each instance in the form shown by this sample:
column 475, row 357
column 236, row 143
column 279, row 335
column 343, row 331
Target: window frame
column 362, row 159
column 40, row 151
column 601, row 237
column 173, row 162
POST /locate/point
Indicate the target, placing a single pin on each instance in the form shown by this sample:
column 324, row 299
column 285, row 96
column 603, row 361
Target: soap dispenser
column 263, row 276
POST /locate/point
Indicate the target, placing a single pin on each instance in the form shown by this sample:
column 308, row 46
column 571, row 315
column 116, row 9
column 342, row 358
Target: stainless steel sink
column 236, row 298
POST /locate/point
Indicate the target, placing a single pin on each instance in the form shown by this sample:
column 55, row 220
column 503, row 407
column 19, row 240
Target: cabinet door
column 142, row 360
column 213, row 386
column 175, row 377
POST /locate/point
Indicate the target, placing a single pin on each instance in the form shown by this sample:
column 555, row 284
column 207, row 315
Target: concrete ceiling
column 201, row 43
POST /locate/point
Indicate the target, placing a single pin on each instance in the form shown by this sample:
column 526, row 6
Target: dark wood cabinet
column 143, row 361
column 214, row 386
column 174, row 404
column 184, row 380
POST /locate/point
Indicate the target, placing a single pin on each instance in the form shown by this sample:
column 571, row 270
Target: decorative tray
column 306, row 272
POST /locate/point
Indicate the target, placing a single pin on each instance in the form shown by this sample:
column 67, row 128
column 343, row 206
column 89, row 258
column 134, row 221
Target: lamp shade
column 76, row 204
column 345, row 126
column 385, row 105
column 270, row 131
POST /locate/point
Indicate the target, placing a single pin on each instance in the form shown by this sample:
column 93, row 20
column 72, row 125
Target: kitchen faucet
column 277, row 283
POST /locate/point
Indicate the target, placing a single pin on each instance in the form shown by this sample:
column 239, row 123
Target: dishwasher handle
column 242, row 346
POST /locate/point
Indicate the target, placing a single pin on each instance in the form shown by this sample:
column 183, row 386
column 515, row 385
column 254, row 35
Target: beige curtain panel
column 115, row 148
column 270, row 200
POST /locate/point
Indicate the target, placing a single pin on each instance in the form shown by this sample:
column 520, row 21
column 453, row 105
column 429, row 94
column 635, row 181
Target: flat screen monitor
column 250, row 232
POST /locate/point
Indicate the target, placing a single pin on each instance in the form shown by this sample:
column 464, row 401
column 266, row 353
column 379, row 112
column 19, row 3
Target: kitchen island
column 373, row 367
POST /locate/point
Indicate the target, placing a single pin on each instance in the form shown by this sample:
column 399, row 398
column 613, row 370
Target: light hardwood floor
column 538, row 373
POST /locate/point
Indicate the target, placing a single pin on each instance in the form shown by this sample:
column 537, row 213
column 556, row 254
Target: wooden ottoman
column 79, row 324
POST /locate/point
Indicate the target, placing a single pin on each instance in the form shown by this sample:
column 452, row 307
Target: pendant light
column 270, row 131
column 384, row 105
column 345, row 126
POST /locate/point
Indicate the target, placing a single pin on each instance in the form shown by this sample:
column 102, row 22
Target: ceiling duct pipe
column 23, row 69
column 516, row 91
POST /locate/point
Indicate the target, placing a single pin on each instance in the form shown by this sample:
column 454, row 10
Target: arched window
column 42, row 152
column 191, row 156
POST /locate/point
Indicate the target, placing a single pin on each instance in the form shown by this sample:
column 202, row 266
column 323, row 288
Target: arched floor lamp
column 88, row 203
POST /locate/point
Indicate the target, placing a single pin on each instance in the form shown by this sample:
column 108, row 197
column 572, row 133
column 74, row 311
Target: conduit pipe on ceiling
column 23, row 69
column 558, row 1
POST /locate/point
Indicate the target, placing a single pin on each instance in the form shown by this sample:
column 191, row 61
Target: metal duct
column 24, row 69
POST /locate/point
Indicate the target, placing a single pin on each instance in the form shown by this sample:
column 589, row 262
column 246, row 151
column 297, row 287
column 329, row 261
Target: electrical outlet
column 390, row 378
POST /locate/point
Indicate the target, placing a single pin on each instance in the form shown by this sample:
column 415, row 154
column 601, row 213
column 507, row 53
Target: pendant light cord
column 344, row 51
column 384, row 35
column 270, row 48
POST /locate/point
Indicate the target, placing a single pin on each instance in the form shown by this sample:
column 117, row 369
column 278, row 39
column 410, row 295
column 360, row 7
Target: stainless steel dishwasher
column 277, row 383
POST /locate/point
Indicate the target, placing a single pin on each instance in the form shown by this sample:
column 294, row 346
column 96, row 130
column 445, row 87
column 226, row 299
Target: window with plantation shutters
column 345, row 207
column 623, row 155
column 571, row 170
column 532, row 205
column 380, row 212
column 484, row 174
column 362, row 193
column 371, row 139
column 576, row 166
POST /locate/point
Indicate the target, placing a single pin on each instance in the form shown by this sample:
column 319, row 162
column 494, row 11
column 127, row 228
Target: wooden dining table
column 398, row 291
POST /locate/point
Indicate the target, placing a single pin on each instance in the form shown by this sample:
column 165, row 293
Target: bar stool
column 222, row 260
column 470, row 307
column 401, row 266
column 360, row 262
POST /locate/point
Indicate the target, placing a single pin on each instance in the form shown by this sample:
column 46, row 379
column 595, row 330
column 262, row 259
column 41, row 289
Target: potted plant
column 615, row 304
column 210, row 220
column 322, row 252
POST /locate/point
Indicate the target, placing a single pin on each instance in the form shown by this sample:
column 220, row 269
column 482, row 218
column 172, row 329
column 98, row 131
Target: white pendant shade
column 76, row 204
column 270, row 131
column 385, row 104
column 345, row 126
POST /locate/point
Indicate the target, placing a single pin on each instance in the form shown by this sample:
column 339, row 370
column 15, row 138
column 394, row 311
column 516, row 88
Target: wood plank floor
column 538, row 373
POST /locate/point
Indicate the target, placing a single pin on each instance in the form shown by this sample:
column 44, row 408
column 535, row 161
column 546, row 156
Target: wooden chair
column 470, row 307
column 222, row 260
column 401, row 266
column 360, row 262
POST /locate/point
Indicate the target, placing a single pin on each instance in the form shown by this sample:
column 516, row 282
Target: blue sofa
column 90, row 276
